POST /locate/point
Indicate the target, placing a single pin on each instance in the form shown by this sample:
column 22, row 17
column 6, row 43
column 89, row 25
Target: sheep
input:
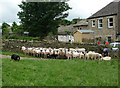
column 62, row 54
column 69, row 54
column 106, row 58
column 30, row 52
column 24, row 49
column 93, row 55
column 81, row 55
column 80, row 50
column 89, row 55
column 15, row 57
column 52, row 55
column 37, row 52
column 75, row 54
column 72, row 49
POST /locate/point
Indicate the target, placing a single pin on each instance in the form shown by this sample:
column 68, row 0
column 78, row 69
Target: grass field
column 59, row 73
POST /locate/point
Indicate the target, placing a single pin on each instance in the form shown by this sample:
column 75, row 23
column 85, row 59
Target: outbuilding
column 79, row 35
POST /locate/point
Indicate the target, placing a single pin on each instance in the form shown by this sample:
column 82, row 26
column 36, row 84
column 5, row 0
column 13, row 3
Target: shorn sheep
column 63, row 53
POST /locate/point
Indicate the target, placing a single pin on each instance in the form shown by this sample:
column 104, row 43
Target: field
column 59, row 73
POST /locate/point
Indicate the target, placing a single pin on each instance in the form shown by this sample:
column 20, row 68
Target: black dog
column 15, row 57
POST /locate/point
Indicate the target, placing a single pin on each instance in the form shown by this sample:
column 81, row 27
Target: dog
column 15, row 57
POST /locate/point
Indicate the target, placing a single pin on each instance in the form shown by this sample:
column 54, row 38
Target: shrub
column 12, row 37
column 29, row 38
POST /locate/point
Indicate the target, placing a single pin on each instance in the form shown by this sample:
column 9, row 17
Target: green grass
column 19, row 37
column 59, row 73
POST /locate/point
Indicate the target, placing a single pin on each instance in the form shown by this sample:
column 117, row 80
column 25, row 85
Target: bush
column 5, row 36
column 12, row 37
column 29, row 38
column 19, row 37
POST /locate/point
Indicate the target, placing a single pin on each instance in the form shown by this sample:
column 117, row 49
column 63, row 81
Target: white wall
column 65, row 38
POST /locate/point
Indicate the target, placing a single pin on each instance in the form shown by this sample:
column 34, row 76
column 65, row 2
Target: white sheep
column 89, row 55
column 69, row 54
column 106, row 58
column 81, row 55
column 75, row 54
column 80, row 50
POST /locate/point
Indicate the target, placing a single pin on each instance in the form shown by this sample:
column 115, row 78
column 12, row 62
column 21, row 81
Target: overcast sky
column 80, row 8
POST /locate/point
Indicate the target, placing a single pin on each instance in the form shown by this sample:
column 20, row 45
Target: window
column 100, row 23
column 110, row 23
column 117, row 45
column 109, row 39
column 93, row 23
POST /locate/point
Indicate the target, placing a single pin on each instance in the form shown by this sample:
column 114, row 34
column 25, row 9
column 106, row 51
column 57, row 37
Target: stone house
column 81, row 25
column 66, row 33
column 104, row 22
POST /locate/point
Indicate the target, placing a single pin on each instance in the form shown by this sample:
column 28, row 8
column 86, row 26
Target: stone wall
column 15, row 45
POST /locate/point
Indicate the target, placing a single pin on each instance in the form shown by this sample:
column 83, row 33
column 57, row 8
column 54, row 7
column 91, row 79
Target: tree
column 14, row 27
column 65, row 22
column 41, row 18
column 75, row 20
column 5, row 28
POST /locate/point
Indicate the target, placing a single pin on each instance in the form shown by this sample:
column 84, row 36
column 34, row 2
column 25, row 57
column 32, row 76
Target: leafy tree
column 41, row 18
column 75, row 20
column 14, row 27
column 67, row 32
column 5, row 28
column 17, row 29
column 65, row 22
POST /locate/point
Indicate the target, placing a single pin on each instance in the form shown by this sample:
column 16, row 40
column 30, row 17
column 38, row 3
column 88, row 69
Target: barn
column 79, row 35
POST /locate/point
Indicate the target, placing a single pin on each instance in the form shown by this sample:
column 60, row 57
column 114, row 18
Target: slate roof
column 85, row 31
column 62, row 29
column 109, row 10
column 83, row 22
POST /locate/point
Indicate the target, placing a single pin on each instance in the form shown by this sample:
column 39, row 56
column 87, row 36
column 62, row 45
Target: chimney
column 118, row 22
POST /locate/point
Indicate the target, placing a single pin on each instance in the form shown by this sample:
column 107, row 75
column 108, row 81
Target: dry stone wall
column 15, row 45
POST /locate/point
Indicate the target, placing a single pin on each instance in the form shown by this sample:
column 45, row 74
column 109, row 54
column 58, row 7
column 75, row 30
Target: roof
column 110, row 9
column 83, row 22
column 85, row 31
column 62, row 29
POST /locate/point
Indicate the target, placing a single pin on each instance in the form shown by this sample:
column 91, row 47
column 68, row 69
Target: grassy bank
column 59, row 73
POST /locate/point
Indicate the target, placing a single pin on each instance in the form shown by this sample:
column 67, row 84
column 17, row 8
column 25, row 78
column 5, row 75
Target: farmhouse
column 104, row 23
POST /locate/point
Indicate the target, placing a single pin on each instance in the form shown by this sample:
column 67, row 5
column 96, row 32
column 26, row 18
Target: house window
column 109, row 39
column 110, row 23
column 93, row 23
column 100, row 23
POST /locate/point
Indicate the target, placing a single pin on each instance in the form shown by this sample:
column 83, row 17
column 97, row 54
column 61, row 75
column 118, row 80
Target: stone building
column 81, row 25
column 80, row 35
column 104, row 22
column 118, row 17
column 65, row 33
